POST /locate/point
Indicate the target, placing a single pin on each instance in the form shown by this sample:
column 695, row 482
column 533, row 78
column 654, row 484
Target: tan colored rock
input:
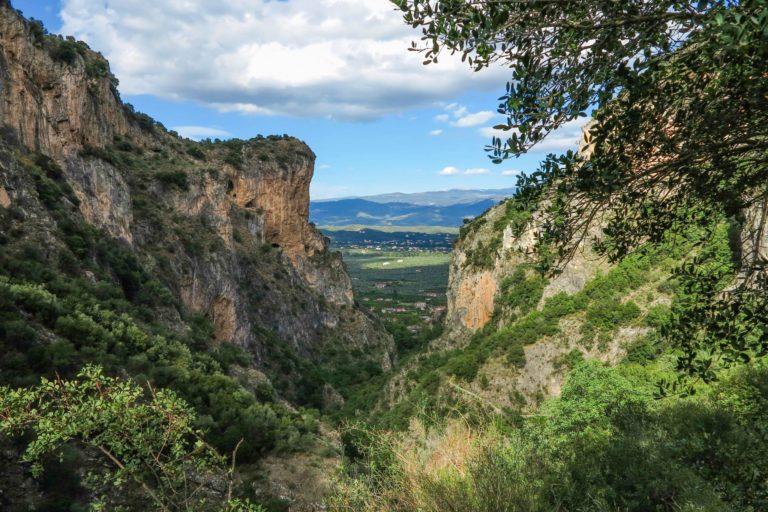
column 475, row 300
column 55, row 108
column 300, row 292
column 5, row 199
column 224, row 319
column 203, row 242
column 472, row 292
column 105, row 199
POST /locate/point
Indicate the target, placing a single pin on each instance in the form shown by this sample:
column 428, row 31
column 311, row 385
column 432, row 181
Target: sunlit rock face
column 230, row 238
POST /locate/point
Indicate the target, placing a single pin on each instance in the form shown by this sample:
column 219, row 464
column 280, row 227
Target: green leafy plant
column 178, row 179
column 147, row 438
column 666, row 150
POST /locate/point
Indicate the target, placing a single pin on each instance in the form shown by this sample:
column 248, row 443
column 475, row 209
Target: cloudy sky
column 334, row 73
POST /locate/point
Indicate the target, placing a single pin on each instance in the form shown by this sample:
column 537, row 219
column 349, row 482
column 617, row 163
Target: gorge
column 177, row 288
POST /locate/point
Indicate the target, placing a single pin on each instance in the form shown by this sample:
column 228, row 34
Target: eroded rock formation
column 224, row 225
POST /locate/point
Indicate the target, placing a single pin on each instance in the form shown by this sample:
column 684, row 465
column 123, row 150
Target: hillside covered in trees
column 607, row 326
column 175, row 335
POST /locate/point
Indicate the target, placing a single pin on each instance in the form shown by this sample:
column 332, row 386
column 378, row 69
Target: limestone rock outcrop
column 224, row 225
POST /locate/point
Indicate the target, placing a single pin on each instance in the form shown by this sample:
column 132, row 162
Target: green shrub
column 196, row 152
column 521, row 291
column 658, row 316
column 606, row 314
column 642, row 351
column 464, row 366
column 143, row 121
column 178, row 179
column 516, row 355
column 106, row 154
column 234, row 159
column 18, row 334
column 66, row 50
column 96, row 68
column 570, row 360
column 37, row 31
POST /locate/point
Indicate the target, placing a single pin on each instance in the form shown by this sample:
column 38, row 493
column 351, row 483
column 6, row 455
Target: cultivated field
column 402, row 276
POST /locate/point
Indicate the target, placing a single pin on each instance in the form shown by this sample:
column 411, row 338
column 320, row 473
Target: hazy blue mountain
column 344, row 212
column 436, row 198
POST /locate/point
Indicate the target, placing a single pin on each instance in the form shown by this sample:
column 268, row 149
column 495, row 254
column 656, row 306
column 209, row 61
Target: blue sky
column 334, row 73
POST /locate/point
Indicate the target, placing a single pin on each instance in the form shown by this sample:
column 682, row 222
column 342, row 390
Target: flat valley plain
column 398, row 275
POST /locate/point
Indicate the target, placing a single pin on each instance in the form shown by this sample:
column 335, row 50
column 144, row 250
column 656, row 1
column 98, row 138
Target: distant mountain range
column 443, row 208
column 436, row 198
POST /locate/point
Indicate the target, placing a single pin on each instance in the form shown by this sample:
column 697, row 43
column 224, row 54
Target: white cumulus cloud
column 449, row 171
column 510, row 172
column 200, row 132
column 476, row 171
column 308, row 58
column 435, row 133
column 455, row 171
column 460, row 117
column 474, row 119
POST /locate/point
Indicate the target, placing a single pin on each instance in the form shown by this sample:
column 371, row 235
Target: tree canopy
column 147, row 439
column 679, row 95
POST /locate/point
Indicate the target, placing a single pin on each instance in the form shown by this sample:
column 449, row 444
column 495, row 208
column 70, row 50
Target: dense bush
column 178, row 179
column 520, row 291
column 96, row 68
column 66, row 50
column 606, row 444
column 143, row 121
column 234, row 159
column 76, row 296
column 195, row 152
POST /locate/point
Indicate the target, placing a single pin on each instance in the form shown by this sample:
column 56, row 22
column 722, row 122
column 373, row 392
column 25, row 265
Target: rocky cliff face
column 473, row 289
column 56, row 106
column 494, row 292
column 224, row 226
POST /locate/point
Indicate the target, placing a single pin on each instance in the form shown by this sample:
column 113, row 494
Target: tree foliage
column 147, row 439
column 678, row 92
column 604, row 445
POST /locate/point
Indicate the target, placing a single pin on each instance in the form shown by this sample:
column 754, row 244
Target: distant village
column 429, row 312
column 400, row 276
column 372, row 240
column 400, row 245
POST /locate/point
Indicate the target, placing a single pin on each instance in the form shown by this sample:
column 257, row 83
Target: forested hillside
column 607, row 326
column 176, row 335
column 166, row 264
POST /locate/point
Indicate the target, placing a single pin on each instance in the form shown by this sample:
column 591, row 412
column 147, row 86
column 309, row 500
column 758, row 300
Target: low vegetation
column 606, row 444
column 146, row 438
column 677, row 423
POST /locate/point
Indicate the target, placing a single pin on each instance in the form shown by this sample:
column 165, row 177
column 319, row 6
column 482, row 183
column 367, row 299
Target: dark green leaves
column 678, row 91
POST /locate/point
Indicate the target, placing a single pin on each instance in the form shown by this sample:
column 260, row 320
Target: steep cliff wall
column 490, row 249
column 474, row 290
column 484, row 300
column 224, row 226
column 56, row 101
column 512, row 333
